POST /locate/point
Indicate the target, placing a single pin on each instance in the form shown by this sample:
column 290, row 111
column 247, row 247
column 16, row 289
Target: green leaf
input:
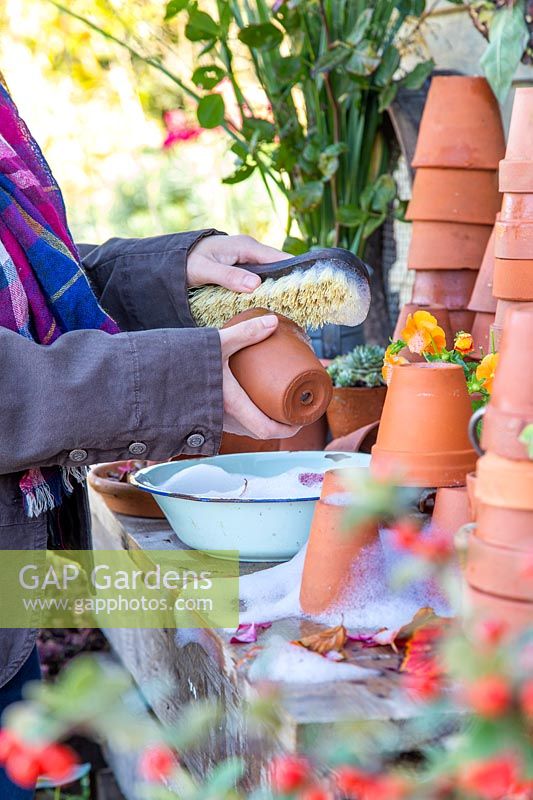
column 387, row 96
column 390, row 62
column 526, row 437
column 201, row 26
column 223, row 778
column 415, row 79
column 358, row 31
column 208, row 77
column 174, row 7
column 350, row 215
column 307, row 197
column 373, row 224
column 384, row 192
column 289, row 69
column 240, row 174
column 508, row 36
column 331, row 59
column 210, row 111
column 262, row 128
column 328, row 161
column 294, row 246
column 264, row 36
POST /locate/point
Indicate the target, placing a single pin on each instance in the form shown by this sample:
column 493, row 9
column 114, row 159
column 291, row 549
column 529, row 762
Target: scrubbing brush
column 324, row 286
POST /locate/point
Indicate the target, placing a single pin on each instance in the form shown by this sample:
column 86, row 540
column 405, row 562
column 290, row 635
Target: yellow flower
column 463, row 343
column 423, row 334
column 391, row 360
column 486, row 370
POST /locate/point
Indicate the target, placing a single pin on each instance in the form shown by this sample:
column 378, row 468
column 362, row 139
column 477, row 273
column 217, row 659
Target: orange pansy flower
column 486, row 371
column 391, row 360
column 423, row 334
column 463, row 342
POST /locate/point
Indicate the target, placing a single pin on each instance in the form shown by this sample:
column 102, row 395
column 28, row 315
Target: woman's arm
column 90, row 396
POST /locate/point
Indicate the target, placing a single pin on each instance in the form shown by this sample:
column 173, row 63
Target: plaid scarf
column 43, row 289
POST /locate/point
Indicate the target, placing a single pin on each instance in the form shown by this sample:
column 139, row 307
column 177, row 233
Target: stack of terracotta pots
column 455, row 193
column 499, row 567
column 513, row 267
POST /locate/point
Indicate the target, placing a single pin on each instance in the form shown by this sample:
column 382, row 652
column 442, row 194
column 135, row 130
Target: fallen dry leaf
column 332, row 639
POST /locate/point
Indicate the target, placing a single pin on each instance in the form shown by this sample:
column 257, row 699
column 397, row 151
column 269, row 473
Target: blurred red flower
column 489, row 696
column 493, row 779
column 178, row 128
column 156, row 763
column 526, row 698
column 289, row 773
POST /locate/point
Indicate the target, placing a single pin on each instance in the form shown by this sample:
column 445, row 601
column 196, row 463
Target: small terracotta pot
column 123, row 498
column 502, row 307
column 511, row 405
column 481, row 334
column 499, row 570
column 515, row 614
column 231, row 443
column 455, row 195
column 504, row 482
column 331, row 552
column 513, row 239
column 353, row 407
column 337, row 481
column 423, row 434
column 496, row 333
column 310, row 437
column 471, row 480
column 482, row 298
column 516, row 171
column 359, row 441
column 461, row 125
column 447, row 245
column 461, row 320
column 513, row 278
column 281, row 374
column 451, row 288
column 517, row 207
column 505, row 527
column 452, row 509
column 441, row 315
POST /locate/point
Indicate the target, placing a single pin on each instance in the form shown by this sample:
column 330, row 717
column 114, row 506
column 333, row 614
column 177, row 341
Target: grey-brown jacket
column 90, row 397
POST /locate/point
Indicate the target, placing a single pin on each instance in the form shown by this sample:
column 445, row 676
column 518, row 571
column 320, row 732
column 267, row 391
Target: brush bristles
column 321, row 295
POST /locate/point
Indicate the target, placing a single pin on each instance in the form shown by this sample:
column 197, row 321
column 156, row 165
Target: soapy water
column 208, row 480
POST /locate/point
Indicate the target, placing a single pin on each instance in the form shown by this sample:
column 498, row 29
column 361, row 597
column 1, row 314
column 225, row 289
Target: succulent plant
column 361, row 367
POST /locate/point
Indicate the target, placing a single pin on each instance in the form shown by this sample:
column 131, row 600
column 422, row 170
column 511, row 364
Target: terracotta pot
column 471, row 480
column 423, row 434
column 502, row 307
column 452, row 509
column 451, row 288
column 332, row 550
column 513, row 239
column 353, row 407
column 506, row 527
column 455, row 195
column 482, row 298
column 517, row 207
column 499, row 570
column 123, row 498
column 310, row 437
column 513, row 278
column 481, row 334
column 441, row 315
column 281, row 374
column 496, row 333
column 504, row 482
column 231, row 443
column 461, row 125
column 511, row 405
column 516, row 170
column 337, row 481
column 461, row 320
column 359, row 441
column 447, row 245
column 515, row 614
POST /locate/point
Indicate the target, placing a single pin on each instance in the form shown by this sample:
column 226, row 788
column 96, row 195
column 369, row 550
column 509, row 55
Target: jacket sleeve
column 92, row 397
column 142, row 283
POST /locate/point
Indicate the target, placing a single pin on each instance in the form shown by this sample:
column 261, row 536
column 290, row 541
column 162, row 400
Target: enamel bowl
column 261, row 530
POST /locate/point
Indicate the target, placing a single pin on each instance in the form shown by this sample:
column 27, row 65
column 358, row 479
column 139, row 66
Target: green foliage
column 361, row 367
column 508, row 36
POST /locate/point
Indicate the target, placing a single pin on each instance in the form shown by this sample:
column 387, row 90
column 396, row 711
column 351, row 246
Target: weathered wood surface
column 202, row 663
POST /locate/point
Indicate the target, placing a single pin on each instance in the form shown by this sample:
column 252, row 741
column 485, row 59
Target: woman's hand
column 241, row 416
column 212, row 260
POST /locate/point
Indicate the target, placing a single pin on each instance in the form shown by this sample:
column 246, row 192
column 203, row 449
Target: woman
column 100, row 363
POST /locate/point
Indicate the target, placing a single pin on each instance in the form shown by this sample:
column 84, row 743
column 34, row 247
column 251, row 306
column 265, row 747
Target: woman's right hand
column 241, row 416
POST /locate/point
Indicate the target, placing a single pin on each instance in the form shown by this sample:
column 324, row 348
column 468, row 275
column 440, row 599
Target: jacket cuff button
column 196, row 440
column 137, row 448
column 78, row 455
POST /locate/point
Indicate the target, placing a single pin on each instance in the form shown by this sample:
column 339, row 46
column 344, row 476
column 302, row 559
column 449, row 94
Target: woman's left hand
column 213, row 261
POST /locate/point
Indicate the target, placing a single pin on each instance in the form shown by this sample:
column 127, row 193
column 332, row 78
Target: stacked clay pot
column 483, row 303
column 455, row 194
column 513, row 266
column 500, row 552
